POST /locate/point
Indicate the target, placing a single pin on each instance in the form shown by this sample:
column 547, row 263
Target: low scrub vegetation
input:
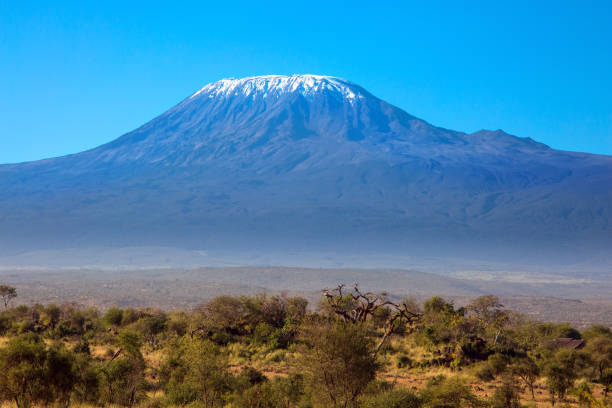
column 353, row 349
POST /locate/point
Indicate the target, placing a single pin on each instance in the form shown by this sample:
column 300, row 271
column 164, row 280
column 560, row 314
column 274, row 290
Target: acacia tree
column 151, row 325
column 600, row 351
column 528, row 371
column 506, row 395
column 7, row 293
column 22, row 371
column 355, row 306
column 340, row 362
column 561, row 372
column 489, row 315
column 196, row 370
column 124, row 374
column 113, row 318
column 61, row 374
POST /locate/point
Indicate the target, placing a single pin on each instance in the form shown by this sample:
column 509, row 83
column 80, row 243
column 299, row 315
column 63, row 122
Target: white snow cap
column 275, row 85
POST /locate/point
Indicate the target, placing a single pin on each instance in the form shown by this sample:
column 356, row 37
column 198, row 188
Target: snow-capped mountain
column 276, row 85
column 309, row 162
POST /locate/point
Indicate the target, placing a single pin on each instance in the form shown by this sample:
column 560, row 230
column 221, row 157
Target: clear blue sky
column 77, row 74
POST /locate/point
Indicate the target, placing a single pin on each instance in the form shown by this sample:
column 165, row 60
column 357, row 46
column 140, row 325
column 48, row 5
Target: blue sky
column 74, row 75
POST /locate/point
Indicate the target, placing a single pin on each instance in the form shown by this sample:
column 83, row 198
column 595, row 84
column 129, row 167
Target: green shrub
column 395, row 398
column 340, row 362
column 403, row 361
column 113, row 317
column 498, row 363
column 262, row 395
column 5, row 324
column 31, row 373
column 87, row 388
column 560, row 371
column 485, row 373
column 263, row 332
column 123, row 380
column 506, row 396
column 450, row 393
column 196, row 371
column 22, row 371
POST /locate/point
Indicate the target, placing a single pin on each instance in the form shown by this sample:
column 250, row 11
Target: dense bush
column 450, row 393
column 32, row 373
column 218, row 354
column 340, row 361
column 394, row 398
column 506, row 396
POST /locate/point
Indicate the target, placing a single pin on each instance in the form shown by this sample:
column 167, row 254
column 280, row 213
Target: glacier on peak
column 275, row 85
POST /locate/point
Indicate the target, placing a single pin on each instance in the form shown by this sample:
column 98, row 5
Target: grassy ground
column 273, row 363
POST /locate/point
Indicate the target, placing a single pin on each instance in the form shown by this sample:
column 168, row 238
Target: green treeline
column 276, row 351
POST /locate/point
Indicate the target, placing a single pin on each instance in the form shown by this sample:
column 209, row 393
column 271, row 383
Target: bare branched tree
column 355, row 306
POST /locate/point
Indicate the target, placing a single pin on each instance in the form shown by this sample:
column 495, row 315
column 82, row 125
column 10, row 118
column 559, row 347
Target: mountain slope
column 311, row 163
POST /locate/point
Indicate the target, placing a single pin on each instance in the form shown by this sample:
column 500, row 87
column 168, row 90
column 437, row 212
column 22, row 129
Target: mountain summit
column 313, row 164
column 289, row 121
column 274, row 86
column 255, row 119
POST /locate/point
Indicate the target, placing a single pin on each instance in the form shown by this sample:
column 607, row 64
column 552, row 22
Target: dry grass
column 280, row 363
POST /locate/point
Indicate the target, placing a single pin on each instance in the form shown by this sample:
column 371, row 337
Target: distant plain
column 546, row 298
